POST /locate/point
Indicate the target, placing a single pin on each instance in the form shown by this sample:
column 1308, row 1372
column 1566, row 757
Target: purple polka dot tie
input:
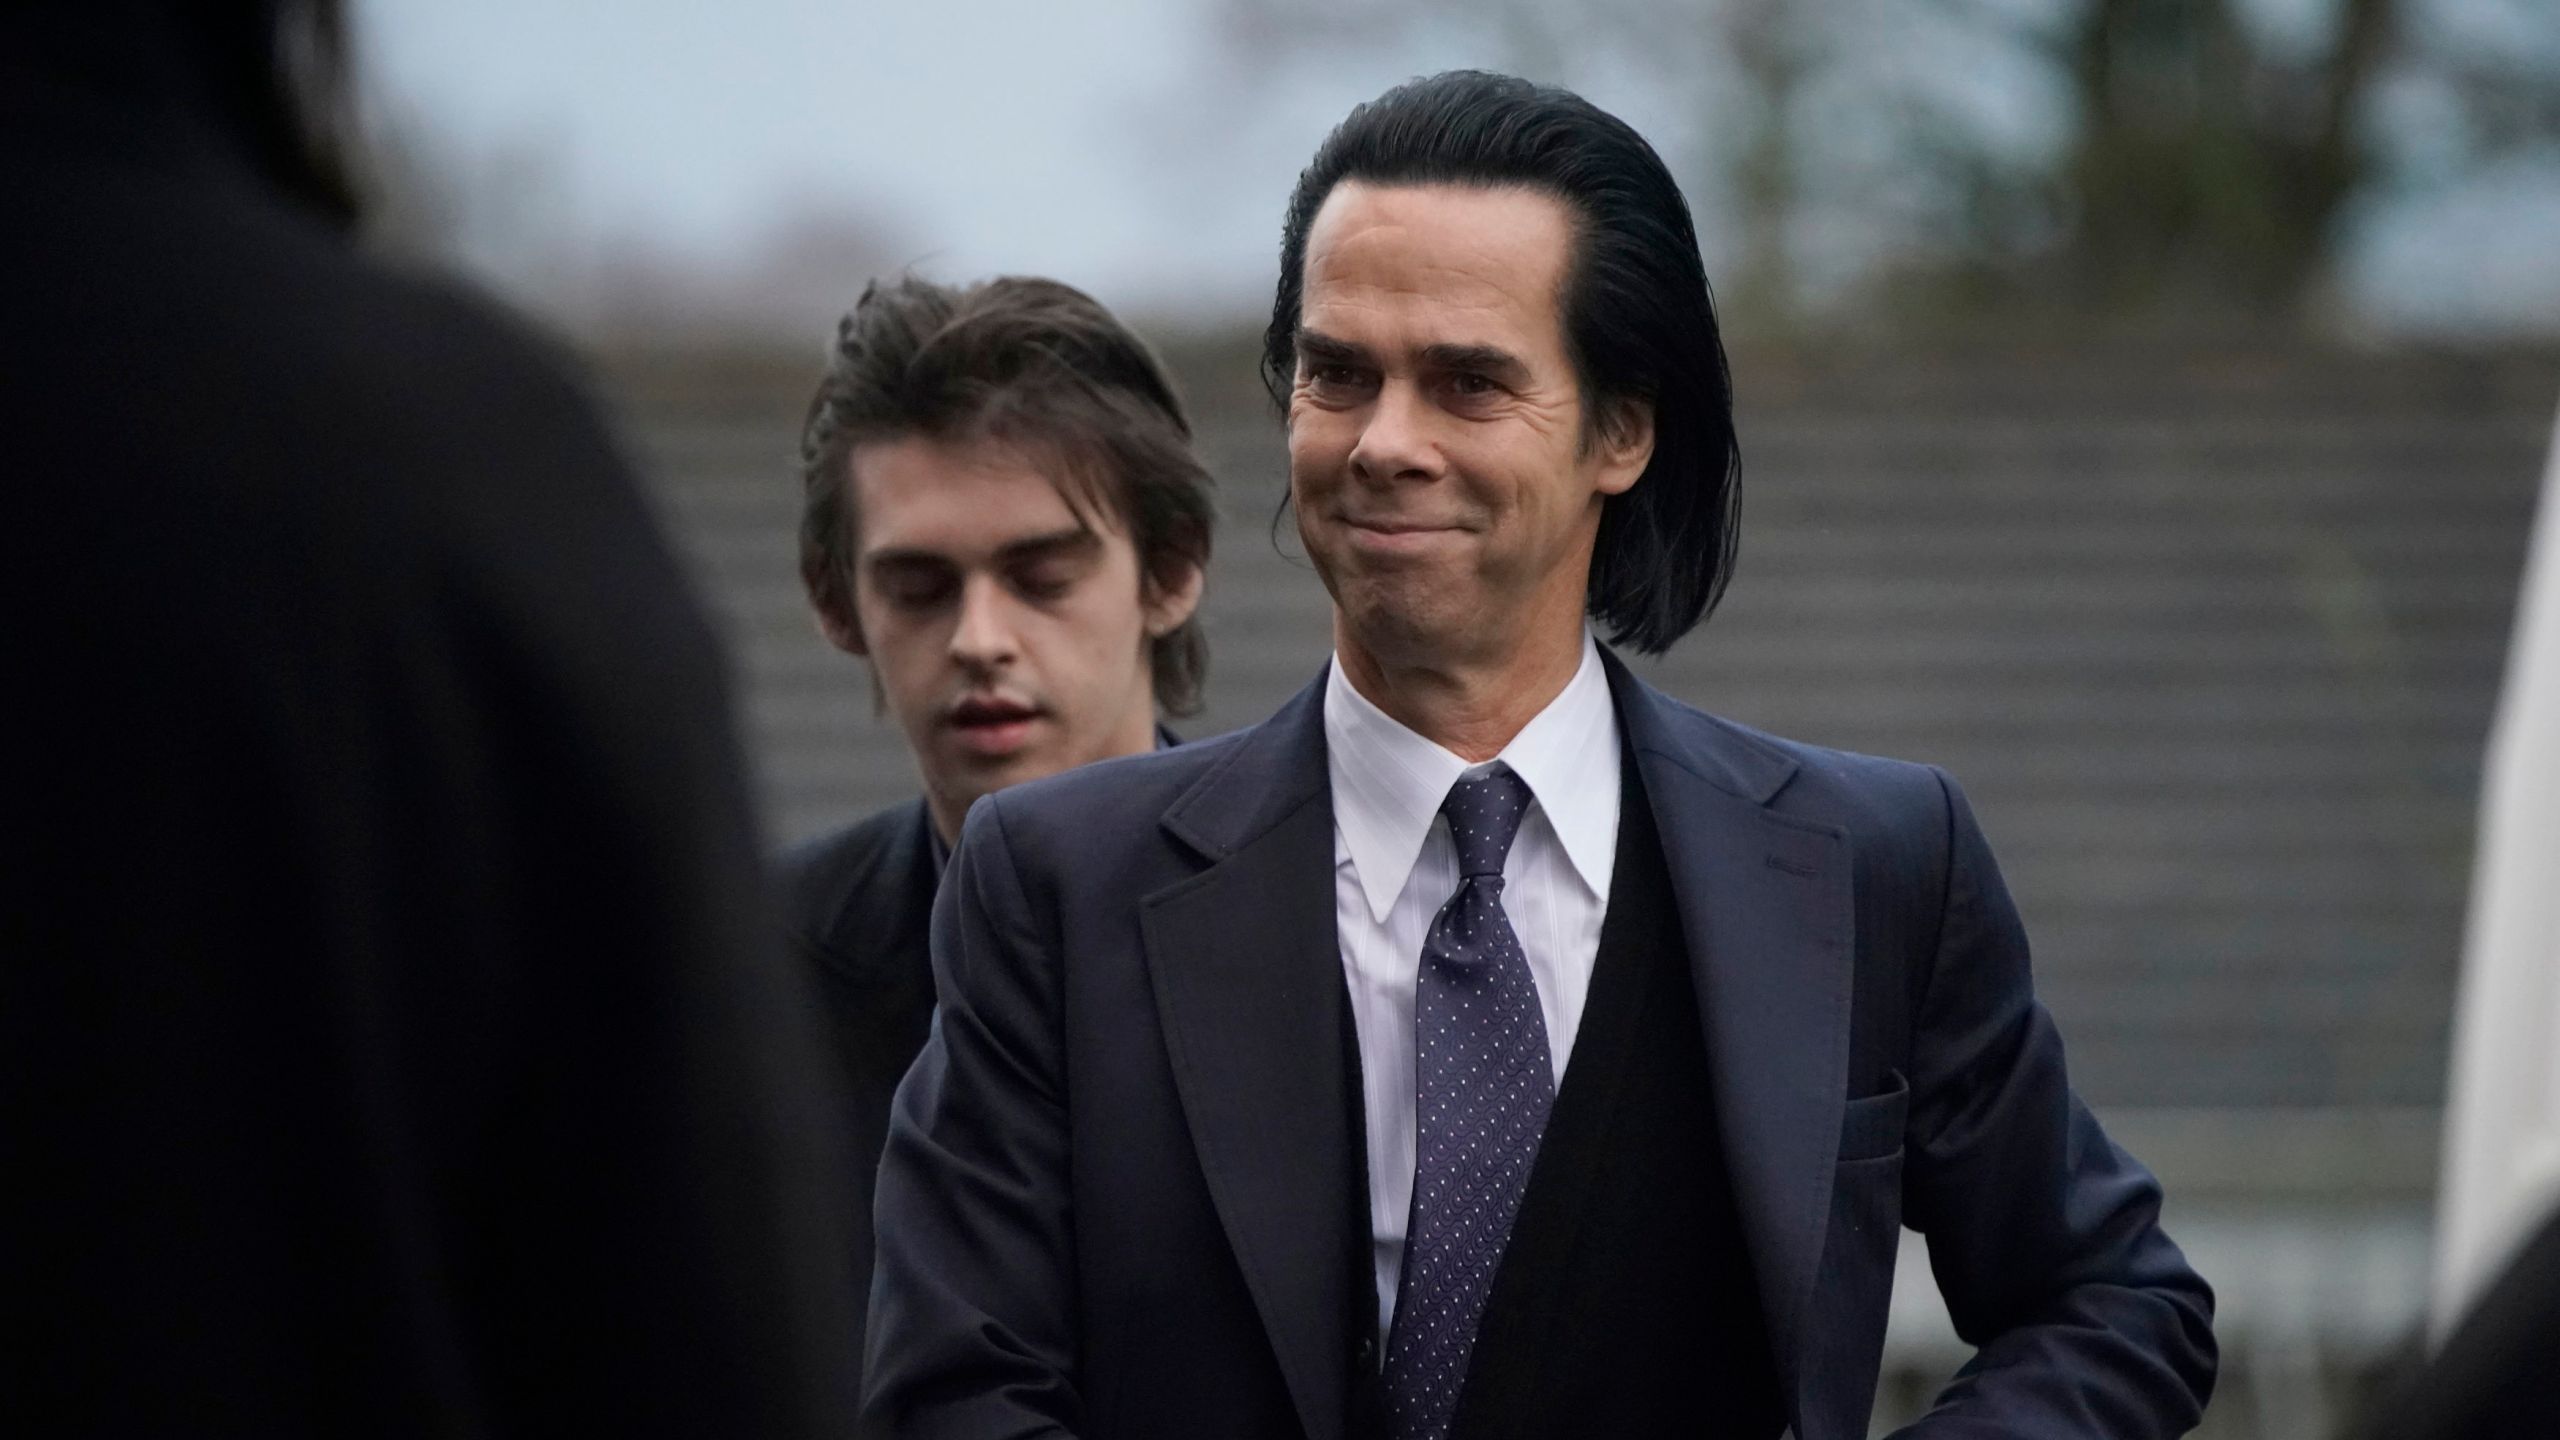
column 1483, row 1085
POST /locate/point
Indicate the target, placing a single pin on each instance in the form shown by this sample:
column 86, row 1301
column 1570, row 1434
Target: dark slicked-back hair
column 1638, row 320
column 1034, row 365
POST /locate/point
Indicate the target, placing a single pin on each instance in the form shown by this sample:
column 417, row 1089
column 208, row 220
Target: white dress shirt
column 1394, row 867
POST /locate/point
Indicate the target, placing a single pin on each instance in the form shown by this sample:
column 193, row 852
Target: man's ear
column 1168, row 606
column 1624, row 445
column 842, row 630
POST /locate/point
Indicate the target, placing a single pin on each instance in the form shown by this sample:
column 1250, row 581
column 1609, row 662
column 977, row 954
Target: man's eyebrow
column 1323, row 349
column 904, row 557
column 1072, row 540
column 1057, row 542
column 1473, row 359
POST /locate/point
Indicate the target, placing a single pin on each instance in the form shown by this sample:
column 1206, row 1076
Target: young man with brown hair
column 1003, row 514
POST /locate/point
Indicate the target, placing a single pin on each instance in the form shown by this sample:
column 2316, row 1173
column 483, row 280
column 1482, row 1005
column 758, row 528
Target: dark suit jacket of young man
column 1119, row 1194
column 858, row 903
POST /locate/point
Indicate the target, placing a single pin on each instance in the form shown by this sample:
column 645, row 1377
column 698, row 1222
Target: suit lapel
column 1248, row 984
column 1765, row 908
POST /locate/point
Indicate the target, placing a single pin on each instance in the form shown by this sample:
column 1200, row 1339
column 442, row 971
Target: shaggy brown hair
column 1033, row 364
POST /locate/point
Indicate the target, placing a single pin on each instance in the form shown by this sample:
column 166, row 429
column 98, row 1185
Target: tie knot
column 1484, row 814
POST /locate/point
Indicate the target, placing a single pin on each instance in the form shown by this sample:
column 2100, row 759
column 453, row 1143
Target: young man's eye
column 1045, row 583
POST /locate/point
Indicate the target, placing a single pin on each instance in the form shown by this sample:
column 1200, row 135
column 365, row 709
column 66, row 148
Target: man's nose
column 1396, row 443
column 984, row 635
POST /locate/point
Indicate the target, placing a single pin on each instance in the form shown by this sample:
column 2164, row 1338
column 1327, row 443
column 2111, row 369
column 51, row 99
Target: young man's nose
column 984, row 634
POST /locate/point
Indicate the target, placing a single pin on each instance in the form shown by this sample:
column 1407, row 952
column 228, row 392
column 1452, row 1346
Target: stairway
column 2210, row 635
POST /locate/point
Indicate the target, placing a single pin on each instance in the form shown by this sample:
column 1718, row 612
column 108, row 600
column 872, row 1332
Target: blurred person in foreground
column 1488, row 1044
column 1003, row 515
column 394, row 1038
column 2496, row 1313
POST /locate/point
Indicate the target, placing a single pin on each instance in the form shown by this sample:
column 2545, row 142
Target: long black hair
column 1638, row 319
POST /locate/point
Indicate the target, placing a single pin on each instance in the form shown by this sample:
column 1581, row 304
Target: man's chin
column 1405, row 622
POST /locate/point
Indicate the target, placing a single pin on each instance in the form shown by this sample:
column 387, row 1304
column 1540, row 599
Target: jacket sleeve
column 2044, row 1236
column 972, row 1297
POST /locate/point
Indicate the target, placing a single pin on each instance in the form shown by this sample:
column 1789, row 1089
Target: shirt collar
column 1388, row 781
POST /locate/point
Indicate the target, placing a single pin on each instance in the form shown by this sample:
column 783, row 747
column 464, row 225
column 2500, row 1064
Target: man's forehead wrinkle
column 1387, row 275
column 1399, row 271
column 1446, row 226
column 1491, row 318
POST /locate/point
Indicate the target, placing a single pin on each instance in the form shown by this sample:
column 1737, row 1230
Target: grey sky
column 988, row 137
column 1124, row 145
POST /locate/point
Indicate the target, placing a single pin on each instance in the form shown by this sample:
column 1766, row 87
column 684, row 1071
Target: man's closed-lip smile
column 1394, row 534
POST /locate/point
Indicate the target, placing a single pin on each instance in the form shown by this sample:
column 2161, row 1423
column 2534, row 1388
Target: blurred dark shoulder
column 224, row 348
column 246, row 439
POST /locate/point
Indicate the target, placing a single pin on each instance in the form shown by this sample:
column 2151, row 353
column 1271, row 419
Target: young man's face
column 1010, row 637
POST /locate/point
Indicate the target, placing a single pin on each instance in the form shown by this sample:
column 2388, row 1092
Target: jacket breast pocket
column 1871, row 1126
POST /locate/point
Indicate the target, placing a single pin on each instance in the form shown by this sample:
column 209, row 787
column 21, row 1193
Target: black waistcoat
column 1625, row 1303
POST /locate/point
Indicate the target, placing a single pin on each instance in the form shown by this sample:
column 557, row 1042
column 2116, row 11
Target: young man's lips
column 992, row 728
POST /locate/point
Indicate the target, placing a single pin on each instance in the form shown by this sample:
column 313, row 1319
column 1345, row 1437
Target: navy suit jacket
column 1114, row 1198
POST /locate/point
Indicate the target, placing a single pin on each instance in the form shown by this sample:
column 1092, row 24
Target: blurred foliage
column 2105, row 161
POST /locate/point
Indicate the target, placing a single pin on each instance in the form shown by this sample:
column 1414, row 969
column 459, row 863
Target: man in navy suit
column 1487, row 1044
column 1003, row 515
